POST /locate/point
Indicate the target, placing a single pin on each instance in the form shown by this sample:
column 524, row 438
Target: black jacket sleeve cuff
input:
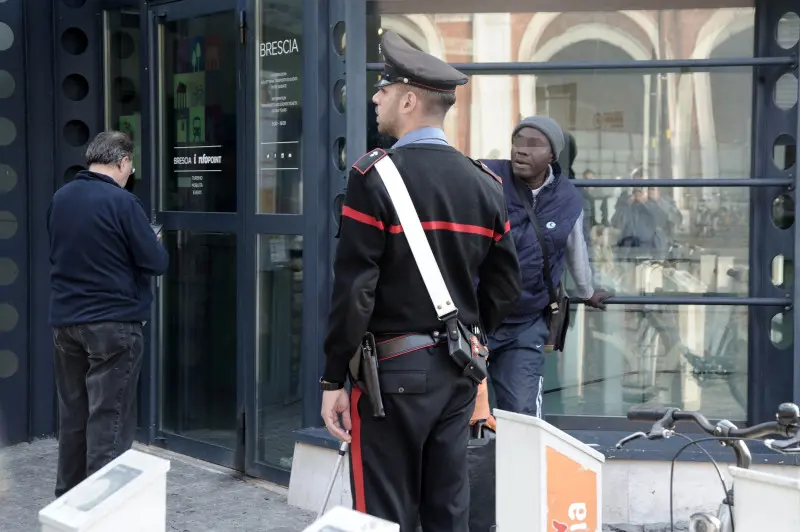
column 336, row 369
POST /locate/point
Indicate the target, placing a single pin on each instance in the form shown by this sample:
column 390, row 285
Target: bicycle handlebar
column 667, row 417
column 786, row 424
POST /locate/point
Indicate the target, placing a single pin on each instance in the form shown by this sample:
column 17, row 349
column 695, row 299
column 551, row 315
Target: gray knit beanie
column 549, row 128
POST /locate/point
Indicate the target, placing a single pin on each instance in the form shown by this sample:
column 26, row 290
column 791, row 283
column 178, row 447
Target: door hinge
column 242, row 26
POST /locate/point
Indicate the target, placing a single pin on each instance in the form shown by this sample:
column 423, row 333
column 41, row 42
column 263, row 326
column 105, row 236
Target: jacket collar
column 95, row 176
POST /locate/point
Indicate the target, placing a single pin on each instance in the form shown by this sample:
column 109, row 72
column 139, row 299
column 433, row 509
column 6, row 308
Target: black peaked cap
column 406, row 64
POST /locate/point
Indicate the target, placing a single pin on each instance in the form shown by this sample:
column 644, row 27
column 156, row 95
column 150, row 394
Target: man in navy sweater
column 103, row 254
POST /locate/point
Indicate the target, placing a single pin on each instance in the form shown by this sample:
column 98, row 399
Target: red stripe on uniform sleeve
column 506, row 229
column 361, row 217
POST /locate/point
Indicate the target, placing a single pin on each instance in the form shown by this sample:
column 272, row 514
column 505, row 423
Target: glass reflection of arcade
column 665, row 241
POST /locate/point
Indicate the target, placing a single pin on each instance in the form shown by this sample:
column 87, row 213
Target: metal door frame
column 225, row 222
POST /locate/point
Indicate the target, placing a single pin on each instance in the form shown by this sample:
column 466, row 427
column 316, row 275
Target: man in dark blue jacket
column 103, row 254
column 516, row 359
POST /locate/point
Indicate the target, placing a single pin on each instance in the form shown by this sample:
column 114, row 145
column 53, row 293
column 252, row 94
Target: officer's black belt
column 391, row 347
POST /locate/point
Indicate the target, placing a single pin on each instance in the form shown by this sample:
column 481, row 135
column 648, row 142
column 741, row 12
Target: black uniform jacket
column 377, row 285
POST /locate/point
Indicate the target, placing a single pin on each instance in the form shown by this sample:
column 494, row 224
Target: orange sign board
column 571, row 495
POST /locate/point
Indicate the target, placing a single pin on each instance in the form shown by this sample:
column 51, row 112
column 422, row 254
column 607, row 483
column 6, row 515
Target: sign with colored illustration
column 571, row 495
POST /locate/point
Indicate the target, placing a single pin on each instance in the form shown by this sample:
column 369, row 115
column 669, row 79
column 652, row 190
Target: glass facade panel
column 468, row 31
column 198, row 113
column 690, row 357
column 123, row 82
column 624, row 124
column 668, row 240
column 634, row 124
column 279, row 75
column 279, row 393
column 199, row 331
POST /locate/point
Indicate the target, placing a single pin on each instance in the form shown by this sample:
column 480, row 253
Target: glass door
column 198, row 63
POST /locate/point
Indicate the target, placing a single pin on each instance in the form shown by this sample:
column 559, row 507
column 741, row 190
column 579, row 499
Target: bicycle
column 786, row 423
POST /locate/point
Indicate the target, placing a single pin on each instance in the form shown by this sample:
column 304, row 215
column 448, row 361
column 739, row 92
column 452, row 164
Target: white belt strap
column 415, row 234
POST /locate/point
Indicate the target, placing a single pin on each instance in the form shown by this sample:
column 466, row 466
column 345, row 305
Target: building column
column 491, row 110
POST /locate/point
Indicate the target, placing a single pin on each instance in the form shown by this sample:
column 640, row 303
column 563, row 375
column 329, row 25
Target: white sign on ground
column 127, row 495
column 341, row 519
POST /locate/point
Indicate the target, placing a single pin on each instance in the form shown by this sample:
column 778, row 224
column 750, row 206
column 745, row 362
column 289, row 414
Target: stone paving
column 200, row 497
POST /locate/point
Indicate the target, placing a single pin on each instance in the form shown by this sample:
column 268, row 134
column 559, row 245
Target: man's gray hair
column 109, row 147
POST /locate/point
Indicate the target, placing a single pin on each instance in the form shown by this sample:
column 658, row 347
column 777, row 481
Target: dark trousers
column 516, row 365
column 411, row 466
column 97, row 368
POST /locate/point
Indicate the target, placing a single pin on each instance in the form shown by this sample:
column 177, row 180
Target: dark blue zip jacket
column 103, row 253
column 557, row 208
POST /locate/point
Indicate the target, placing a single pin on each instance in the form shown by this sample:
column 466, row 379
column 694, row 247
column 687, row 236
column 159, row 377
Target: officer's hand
column 335, row 402
column 598, row 299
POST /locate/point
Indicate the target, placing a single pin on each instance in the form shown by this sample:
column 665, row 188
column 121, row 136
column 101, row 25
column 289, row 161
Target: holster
column 466, row 350
column 364, row 373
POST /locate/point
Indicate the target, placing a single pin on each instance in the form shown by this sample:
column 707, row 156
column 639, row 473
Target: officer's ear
column 409, row 101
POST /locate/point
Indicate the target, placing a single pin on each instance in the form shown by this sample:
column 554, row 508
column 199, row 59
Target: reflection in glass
column 280, row 100
column 667, row 240
column 198, row 109
column 691, row 125
column 198, row 324
column 279, row 326
column 123, row 81
column 536, row 36
column 690, row 357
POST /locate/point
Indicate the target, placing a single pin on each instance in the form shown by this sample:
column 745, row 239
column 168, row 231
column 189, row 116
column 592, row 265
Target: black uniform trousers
column 411, row 466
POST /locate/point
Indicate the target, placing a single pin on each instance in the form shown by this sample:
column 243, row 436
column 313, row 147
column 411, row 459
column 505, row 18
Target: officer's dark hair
column 436, row 101
column 109, row 147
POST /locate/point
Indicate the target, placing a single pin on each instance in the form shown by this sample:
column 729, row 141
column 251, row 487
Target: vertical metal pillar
column 796, row 227
column 15, row 186
column 772, row 371
column 316, row 118
column 356, row 75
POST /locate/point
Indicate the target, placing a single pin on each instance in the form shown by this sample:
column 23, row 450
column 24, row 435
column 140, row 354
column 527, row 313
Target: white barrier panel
column 546, row 479
column 763, row 501
column 340, row 519
column 127, row 495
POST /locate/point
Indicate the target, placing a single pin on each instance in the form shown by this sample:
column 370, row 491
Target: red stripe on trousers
column 356, row 463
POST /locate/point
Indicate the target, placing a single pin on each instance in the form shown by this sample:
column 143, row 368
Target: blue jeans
column 97, row 368
column 516, row 365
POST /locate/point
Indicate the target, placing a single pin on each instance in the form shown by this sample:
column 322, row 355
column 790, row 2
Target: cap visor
column 382, row 83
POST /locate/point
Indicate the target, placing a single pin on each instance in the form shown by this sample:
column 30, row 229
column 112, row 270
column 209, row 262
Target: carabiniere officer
column 411, row 465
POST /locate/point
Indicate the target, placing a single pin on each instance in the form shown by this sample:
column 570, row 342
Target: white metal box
column 764, row 501
column 546, row 479
column 127, row 495
column 341, row 519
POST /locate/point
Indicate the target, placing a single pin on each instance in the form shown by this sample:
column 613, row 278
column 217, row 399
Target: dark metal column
column 772, row 369
column 42, row 183
column 14, row 189
column 316, row 118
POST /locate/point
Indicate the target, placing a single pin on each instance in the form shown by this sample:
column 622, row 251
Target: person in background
column 103, row 254
column 517, row 347
column 645, row 220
